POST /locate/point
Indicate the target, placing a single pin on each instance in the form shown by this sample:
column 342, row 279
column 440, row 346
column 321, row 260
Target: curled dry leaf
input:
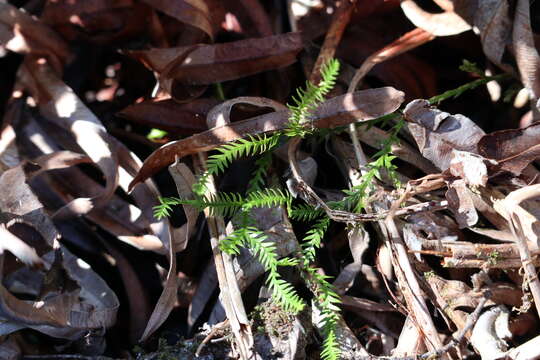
column 489, row 18
column 438, row 133
column 493, row 21
column 68, row 312
column 359, row 106
column 220, row 115
column 60, row 104
column 21, row 33
column 443, row 24
column 513, row 149
column 191, row 12
column 19, row 248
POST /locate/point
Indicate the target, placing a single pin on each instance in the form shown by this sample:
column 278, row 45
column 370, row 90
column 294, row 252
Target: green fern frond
column 229, row 152
column 469, row 67
column 327, row 301
column 312, row 240
column 267, row 198
column 255, row 240
column 284, row 294
column 305, row 212
column 306, row 101
column 164, row 208
column 257, row 177
column 222, row 204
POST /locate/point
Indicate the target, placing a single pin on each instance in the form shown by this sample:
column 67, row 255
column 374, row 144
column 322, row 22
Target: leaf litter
column 411, row 225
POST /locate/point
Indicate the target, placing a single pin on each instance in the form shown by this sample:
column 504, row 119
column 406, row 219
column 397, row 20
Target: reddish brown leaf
column 359, row 106
column 183, row 119
column 21, row 33
column 192, row 12
column 209, row 64
column 513, row 149
column 100, row 21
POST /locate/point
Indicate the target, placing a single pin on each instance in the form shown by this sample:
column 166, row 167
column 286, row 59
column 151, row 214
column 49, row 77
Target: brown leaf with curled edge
column 208, row 64
column 513, row 149
column 169, row 115
column 19, row 248
column 60, row 104
column 56, row 160
column 67, row 312
column 191, row 12
column 490, row 17
column 21, row 33
column 184, row 180
column 443, row 24
column 438, row 133
column 359, row 106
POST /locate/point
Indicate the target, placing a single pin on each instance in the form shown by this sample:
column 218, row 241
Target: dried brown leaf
column 192, row 12
column 513, row 149
column 70, row 313
column 21, row 33
column 438, row 133
column 526, row 54
column 60, row 104
column 208, row 64
column 100, row 21
column 443, row 24
column 461, row 203
column 184, row 180
column 169, row 115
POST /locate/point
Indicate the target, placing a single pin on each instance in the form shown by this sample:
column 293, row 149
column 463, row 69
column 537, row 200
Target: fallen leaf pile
column 109, row 105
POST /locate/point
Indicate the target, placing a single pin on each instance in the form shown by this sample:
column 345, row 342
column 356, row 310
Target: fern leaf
column 307, row 100
column 305, row 212
column 312, row 240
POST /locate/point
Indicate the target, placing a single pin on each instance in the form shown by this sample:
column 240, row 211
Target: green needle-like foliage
column 308, row 99
column 312, row 240
column 255, row 240
column 227, row 153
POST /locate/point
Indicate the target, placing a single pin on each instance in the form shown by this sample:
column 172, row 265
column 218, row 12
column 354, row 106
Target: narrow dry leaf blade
column 443, row 24
column 68, row 111
column 209, row 64
column 169, row 115
column 184, row 180
column 21, row 33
